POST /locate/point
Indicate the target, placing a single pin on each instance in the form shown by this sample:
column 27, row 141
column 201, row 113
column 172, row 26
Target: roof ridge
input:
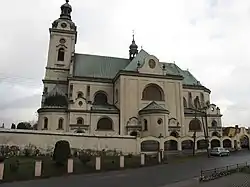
column 101, row 56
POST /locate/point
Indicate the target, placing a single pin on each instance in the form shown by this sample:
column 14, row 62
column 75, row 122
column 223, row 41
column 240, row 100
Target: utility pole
column 203, row 112
column 194, row 135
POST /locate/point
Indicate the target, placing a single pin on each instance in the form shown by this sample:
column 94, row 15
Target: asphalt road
column 157, row 176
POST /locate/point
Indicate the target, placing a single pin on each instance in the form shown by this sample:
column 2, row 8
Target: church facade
column 110, row 96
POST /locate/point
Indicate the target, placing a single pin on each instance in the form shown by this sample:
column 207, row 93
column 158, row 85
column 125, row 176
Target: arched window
column 61, row 54
column 134, row 133
column 184, row 102
column 45, row 123
column 79, row 95
column 214, row 124
column 105, row 124
column 190, row 101
column 216, row 134
column 195, row 125
column 80, row 121
column 145, row 125
column 100, row 99
column 60, row 123
column 197, row 104
column 174, row 134
column 153, row 92
column 202, row 99
column 79, row 131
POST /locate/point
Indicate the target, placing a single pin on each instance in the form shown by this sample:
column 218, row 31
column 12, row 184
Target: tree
column 13, row 126
column 35, row 126
column 24, row 125
column 61, row 152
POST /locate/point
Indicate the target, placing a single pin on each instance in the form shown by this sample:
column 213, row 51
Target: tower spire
column 133, row 48
column 66, row 10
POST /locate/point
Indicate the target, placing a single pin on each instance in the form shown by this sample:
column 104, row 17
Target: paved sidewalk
column 235, row 180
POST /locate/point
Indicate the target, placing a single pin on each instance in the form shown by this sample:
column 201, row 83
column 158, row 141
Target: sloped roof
column 96, row 66
column 132, row 66
column 153, row 107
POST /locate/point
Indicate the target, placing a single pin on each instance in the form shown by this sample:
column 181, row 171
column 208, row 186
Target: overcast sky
column 211, row 38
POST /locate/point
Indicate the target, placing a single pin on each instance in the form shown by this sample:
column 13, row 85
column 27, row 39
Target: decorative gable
column 151, row 65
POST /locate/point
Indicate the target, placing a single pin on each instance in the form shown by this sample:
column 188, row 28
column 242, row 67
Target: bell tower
column 63, row 36
column 133, row 49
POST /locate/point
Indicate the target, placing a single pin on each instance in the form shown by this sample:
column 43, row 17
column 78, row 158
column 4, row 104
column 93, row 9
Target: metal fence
column 211, row 174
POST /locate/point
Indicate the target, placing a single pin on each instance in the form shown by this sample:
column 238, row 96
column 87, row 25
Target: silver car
column 219, row 151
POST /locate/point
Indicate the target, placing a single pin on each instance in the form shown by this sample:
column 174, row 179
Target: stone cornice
column 60, row 69
column 137, row 74
column 196, row 87
column 90, row 79
column 62, row 31
column 55, row 81
column 187, row 114
column 41, row 110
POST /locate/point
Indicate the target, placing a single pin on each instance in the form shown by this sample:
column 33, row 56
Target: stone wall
column 44, row 140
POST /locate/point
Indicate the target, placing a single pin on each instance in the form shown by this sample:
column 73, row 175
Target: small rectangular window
column 88, row 90
column 71, row 90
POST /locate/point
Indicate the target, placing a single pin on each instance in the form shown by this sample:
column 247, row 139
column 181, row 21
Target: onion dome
column 66, row 10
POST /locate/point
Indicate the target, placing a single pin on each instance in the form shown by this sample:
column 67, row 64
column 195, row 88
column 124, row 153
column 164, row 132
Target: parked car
column 219, row 151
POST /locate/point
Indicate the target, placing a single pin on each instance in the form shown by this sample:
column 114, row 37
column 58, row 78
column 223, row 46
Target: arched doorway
column 187, row 144
column 227, row 143
column 170, row 145
column 150, row 146
column 244, row 141
column 201, row 144
column 215, row 143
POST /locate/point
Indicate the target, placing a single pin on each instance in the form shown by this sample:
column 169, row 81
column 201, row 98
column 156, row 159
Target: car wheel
column 220, row 155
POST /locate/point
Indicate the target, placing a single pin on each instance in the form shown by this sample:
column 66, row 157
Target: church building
column 110, row 96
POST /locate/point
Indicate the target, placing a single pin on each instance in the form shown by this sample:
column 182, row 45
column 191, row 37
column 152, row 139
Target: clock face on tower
column 63, row 25
column 151, row 63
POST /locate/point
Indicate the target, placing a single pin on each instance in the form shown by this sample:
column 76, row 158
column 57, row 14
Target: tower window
column 145, row 125
column 45, row 123
column 60, row 123
column 61, row 54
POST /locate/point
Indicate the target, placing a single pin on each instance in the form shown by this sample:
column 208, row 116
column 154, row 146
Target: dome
column 66, row 5
column 133, row 45
column 56, row 98
column 66, row 10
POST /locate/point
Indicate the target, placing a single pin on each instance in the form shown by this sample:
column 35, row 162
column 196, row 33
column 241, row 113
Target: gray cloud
column 208, row 37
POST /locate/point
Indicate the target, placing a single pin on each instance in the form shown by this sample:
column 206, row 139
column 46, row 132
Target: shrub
column 61, row 152
column 84, row 158
column 14, row 165
column 130, row 155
